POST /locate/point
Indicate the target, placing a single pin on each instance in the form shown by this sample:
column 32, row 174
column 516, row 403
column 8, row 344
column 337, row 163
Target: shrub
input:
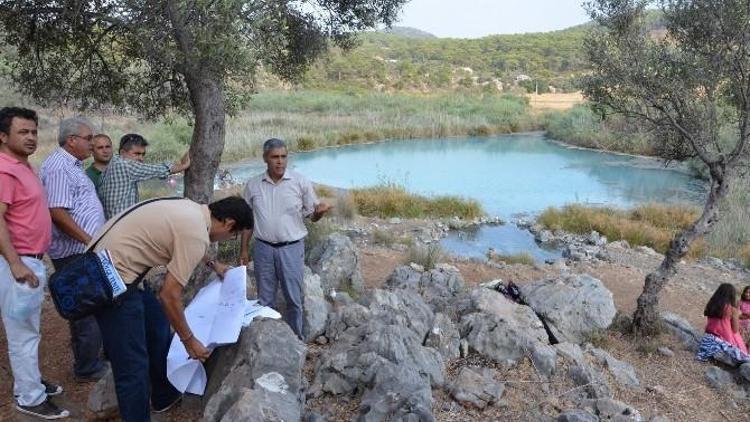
column 517, row 258
column 345, row 208
column 305, row 143
column 390, row 200
column 427, row 256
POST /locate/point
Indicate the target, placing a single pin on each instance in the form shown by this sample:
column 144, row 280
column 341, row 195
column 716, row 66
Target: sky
column 478, row 18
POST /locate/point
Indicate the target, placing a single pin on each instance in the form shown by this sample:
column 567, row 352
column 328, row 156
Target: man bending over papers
column 135, row 332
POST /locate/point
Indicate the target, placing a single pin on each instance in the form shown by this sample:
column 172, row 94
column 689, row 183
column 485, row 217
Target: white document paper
column 215, row 315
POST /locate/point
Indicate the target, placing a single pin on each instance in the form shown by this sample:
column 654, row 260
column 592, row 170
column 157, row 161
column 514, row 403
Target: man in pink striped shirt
column 25, row 232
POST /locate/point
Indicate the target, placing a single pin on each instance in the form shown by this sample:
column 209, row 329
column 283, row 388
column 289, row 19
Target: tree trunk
column 646, row 316
column 207, row 100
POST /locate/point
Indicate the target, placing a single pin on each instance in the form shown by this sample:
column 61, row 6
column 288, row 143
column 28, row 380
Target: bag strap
column 128, row 211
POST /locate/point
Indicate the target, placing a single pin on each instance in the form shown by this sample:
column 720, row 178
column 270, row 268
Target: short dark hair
column 8, row 113
column 233, row 207
column 724, row 295
column 127, row 142
column 272, row 143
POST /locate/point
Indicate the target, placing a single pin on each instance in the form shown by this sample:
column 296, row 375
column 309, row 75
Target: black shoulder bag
column 81, row 288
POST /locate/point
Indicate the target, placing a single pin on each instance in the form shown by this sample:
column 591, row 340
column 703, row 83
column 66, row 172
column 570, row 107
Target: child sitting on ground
column 745, row 314
column 722, row 327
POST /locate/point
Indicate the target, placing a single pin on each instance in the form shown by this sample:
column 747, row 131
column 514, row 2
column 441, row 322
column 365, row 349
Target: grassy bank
column 316, row 119
column 389, row 200
column 580, row 126
column 649, row 225
column 655, row 226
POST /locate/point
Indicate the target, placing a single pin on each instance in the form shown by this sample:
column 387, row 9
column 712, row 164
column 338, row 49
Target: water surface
column 510, row 175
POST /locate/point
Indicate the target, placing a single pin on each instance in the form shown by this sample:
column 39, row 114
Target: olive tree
column 690, row 84
column 160, row 56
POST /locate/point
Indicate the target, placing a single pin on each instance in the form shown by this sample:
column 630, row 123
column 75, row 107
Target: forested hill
column 413, row 60
column 402, row 61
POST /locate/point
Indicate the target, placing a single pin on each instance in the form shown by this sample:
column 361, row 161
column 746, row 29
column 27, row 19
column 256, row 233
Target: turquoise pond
column 511, row 176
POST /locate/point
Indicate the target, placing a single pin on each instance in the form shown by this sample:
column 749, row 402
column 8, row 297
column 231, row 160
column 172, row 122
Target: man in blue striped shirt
column 77, row 214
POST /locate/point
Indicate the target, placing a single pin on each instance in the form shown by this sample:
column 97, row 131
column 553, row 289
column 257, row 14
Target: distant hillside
column 408, row 32
column 391, row 61
column 408, row 59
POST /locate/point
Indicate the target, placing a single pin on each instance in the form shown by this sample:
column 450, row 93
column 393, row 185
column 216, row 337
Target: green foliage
column 386, row 61
column 390, row 200
column 583, row 127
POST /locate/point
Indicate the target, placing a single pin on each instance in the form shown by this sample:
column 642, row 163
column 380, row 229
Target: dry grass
column 549, row 101
column 510, row 259
column 428, row 256
column 390, row 200
column 647, row 225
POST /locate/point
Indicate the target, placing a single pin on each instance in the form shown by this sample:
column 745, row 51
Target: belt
column 37, row 256
column 278, row 244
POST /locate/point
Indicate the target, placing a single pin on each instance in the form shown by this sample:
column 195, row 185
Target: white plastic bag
column 23, row 300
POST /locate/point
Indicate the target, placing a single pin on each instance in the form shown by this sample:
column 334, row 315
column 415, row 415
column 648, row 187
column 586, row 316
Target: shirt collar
column 287, row 176
column 70, row 158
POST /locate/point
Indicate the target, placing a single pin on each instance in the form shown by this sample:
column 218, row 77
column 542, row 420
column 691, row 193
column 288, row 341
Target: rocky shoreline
column 426, row 345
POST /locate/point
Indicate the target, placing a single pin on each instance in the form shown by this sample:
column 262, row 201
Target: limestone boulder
column 263, row 368
column 336, row 260
column 476, row 388
column 102, row 400
column 437, row 287
column 573, row 306
column 315, row 309
column 681, row 328
column 444, row 337
column 505, row 331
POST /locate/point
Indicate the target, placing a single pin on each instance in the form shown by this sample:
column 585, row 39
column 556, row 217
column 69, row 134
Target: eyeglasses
column 86, row 138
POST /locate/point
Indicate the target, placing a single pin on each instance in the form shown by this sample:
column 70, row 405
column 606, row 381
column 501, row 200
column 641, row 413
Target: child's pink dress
column 745, row 323
column 722, row 328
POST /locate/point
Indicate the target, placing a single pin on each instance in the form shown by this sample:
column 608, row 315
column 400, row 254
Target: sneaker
column 45, row 410
column 169, row 406
column 52, row 389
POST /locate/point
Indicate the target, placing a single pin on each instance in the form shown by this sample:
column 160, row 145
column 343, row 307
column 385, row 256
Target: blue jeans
column 136, row 338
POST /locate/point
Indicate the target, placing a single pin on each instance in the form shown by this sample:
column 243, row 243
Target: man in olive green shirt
column 102, row 152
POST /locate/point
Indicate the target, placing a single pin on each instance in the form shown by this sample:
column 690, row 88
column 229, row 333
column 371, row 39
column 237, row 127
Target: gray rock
column 315, row 310
column 544, row 236
column 437, row 287
column 311, row 416
column 337, row 261
column 378, row 350
column 444, row 337
column 573, row 306
column 647, row 251
column 267, row 357
column 577, row 415
column 500, row 329
column 476, row 387
column 665, row 351
column 544, row 359
column 346, row 317
column 613, row 410
column 102, row 400
column 718, row 378
column 682, row 329
column 593, row 383
column 571, row 352
column 659, row 418
column 397, row 393
column 262, row 405
column 623, row 372
column 401, row 307
column 745, row 371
